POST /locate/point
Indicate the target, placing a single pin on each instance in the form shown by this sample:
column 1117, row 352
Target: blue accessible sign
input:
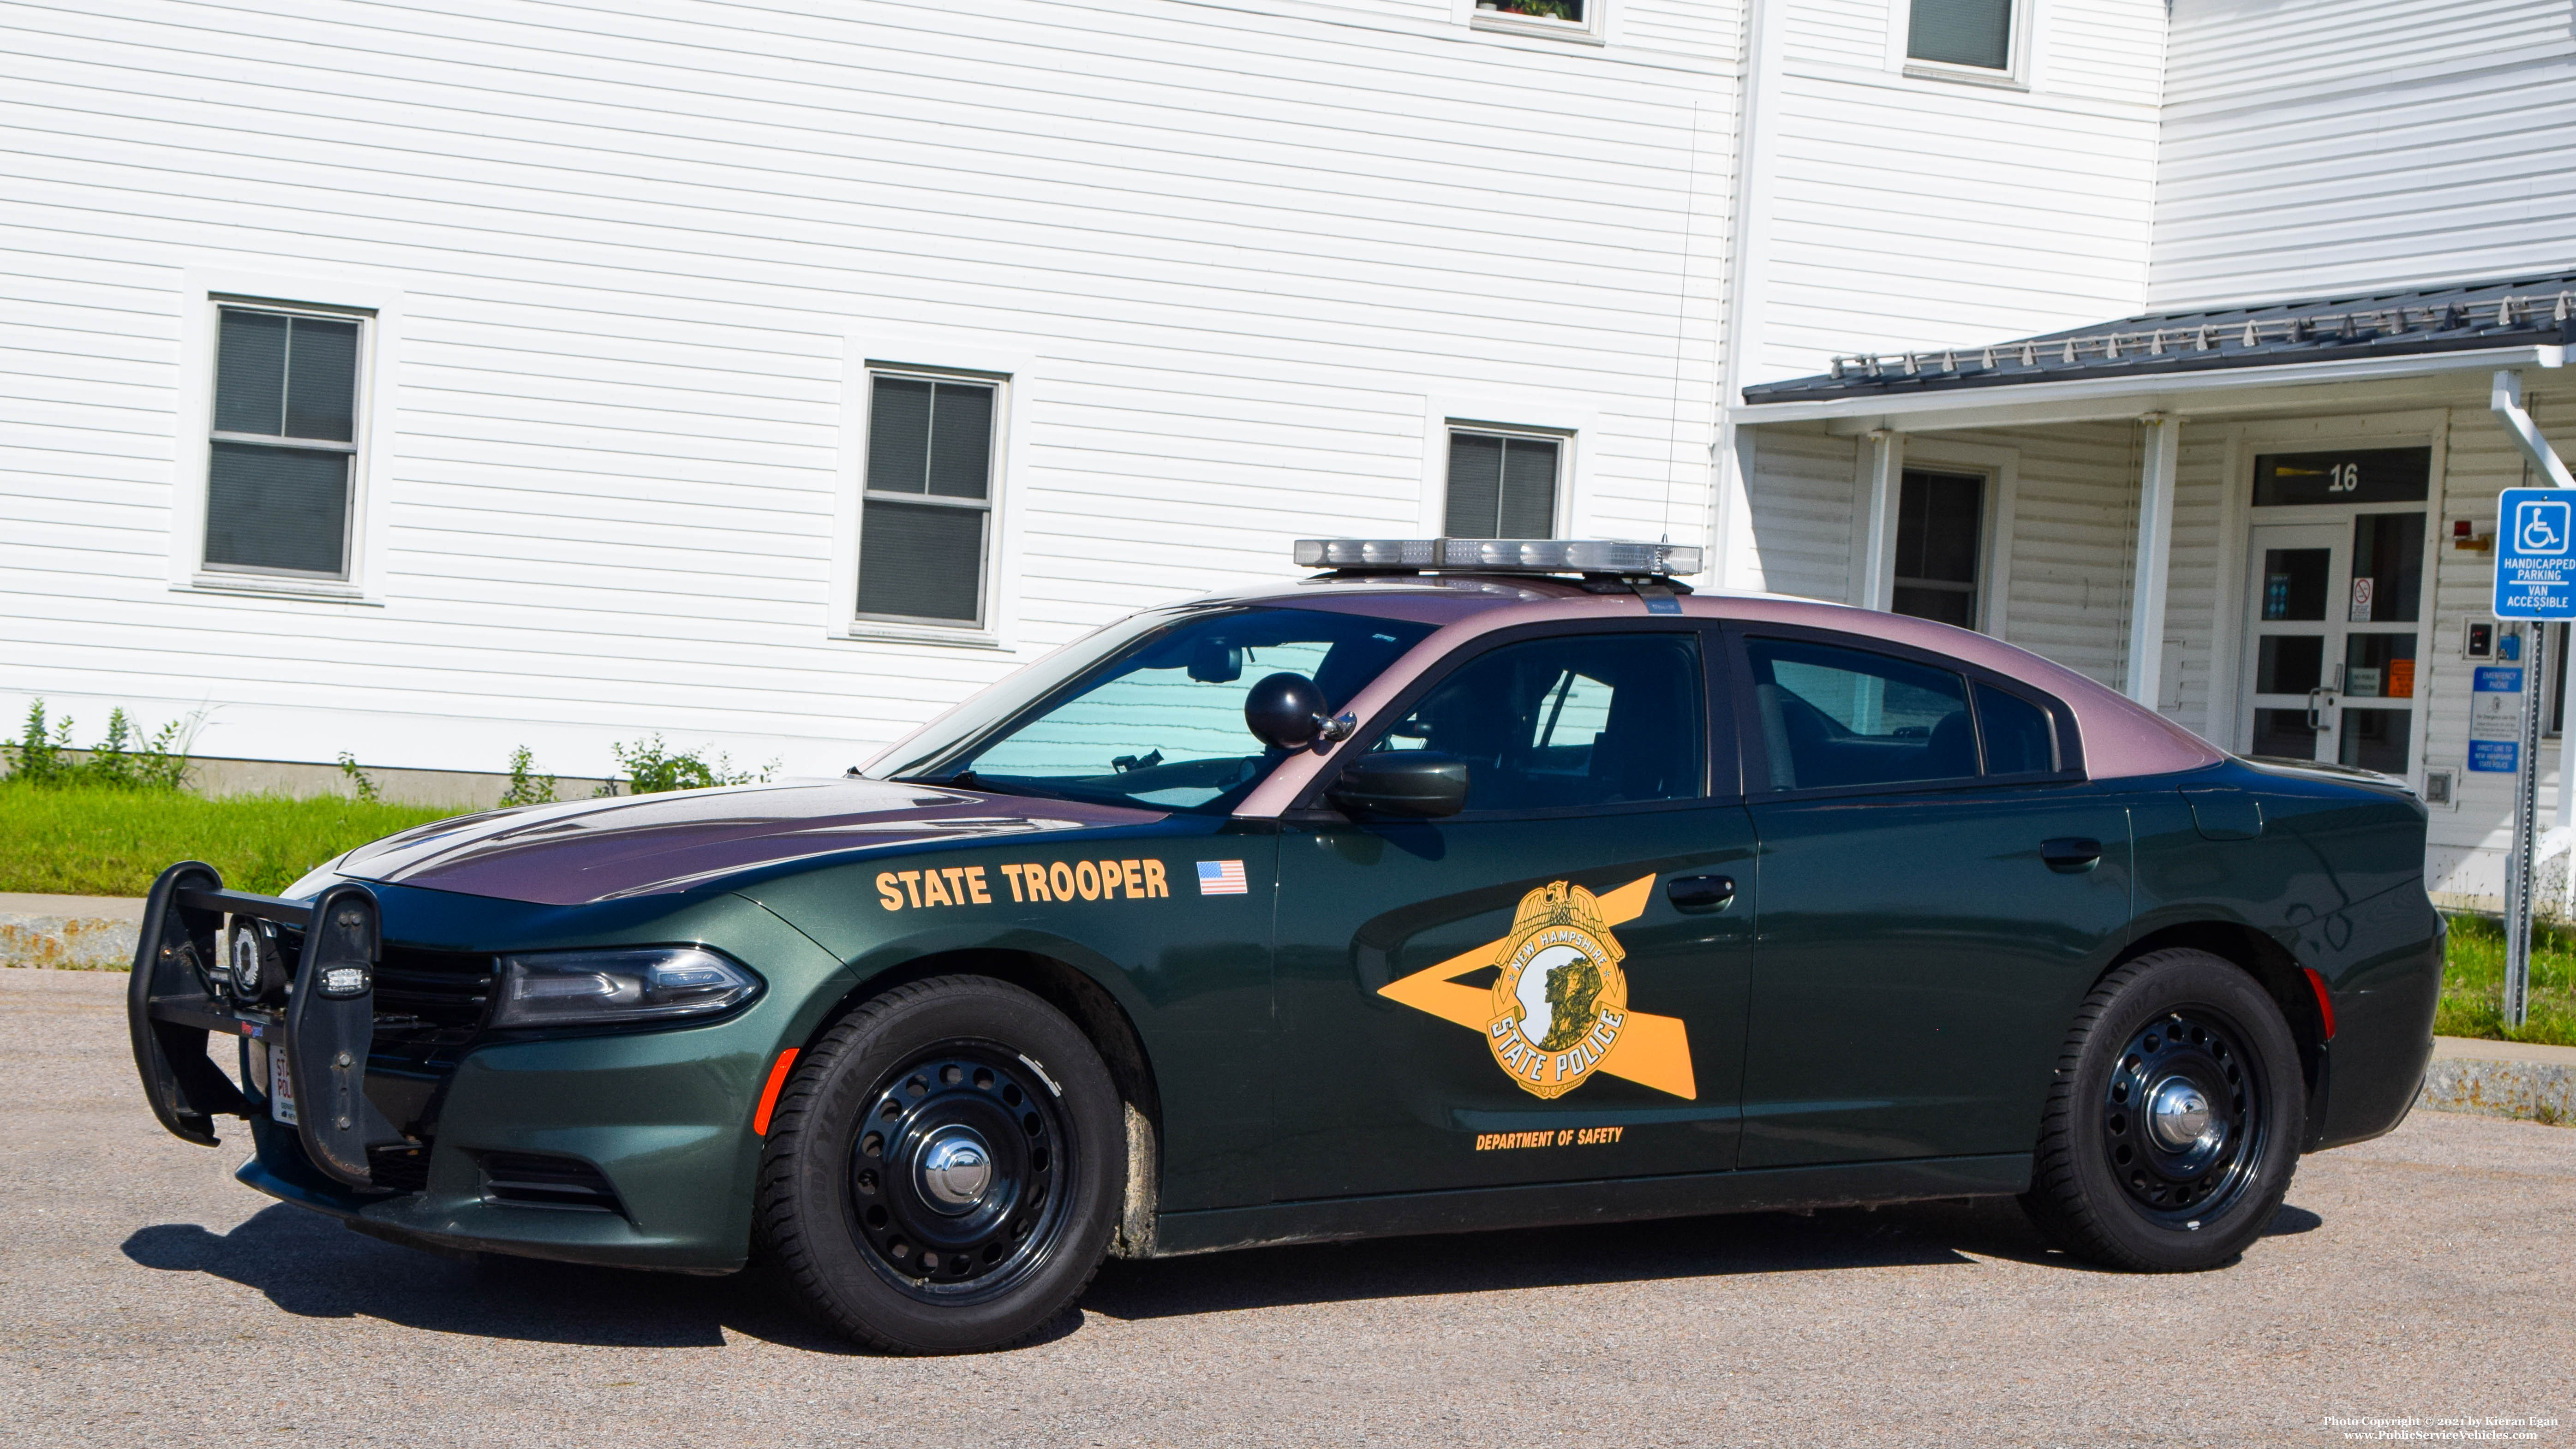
column 2535, row 575
column 2495, row 719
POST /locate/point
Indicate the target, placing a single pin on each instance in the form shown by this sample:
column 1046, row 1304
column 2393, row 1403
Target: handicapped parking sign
column 2535, row 574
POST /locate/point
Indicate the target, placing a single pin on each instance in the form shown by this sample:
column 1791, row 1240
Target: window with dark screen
column 925, row 520
column 279, row 464
column 1975, row 33
column 1940, row 531
column 1502, row 485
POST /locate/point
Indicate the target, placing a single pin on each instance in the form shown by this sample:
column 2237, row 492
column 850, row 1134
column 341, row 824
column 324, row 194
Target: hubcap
column 955, row 1170
column 2177, row 1114
column 959, row 1173
column 2182, row 1117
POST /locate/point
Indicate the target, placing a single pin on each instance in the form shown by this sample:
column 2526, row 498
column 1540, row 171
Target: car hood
column 649, row 844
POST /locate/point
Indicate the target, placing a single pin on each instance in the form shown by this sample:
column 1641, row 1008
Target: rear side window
column 2019, row 737
column 1599, row 719
column 1837, row 717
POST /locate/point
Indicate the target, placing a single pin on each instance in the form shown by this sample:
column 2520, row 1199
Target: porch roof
column 2304, row 339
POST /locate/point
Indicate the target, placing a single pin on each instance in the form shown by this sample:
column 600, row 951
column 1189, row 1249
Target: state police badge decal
column 1561, row 1001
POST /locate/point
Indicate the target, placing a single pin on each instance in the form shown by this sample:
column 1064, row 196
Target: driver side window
column 1594, row 719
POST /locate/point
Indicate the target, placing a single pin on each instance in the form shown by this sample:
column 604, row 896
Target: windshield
column 1150, row 712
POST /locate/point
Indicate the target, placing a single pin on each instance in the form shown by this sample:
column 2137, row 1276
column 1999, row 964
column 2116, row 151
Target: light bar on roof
column 1499, row 555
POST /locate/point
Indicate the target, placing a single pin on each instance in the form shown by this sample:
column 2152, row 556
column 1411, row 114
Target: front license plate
column 281, row 1092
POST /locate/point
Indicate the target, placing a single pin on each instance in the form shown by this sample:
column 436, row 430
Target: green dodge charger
column 1468, row 884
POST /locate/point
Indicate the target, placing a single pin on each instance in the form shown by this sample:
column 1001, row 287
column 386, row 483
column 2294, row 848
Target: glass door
column 2382, row 600
column 2297, row 569
column 2331, row 640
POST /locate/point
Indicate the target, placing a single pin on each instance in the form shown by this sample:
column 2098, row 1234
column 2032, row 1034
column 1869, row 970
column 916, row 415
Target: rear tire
column 943, row 1169
column 2173, row 1126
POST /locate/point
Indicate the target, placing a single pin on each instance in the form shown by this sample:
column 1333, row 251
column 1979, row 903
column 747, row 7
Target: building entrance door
column 2335, row 603
column 2295, row 692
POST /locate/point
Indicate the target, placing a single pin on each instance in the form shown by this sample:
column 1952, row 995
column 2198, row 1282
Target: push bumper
column 630, row 1149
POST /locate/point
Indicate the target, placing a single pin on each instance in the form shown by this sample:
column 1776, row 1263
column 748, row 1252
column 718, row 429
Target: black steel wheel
column 2183, row 1117
column 2172, row 1129
column 943, row 1168
column 953, row 1173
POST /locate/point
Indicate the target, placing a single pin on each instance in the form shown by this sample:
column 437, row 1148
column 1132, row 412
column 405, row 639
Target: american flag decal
column 1221, row 878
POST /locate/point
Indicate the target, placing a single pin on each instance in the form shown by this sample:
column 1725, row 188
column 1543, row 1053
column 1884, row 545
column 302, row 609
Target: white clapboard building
column 422, row 382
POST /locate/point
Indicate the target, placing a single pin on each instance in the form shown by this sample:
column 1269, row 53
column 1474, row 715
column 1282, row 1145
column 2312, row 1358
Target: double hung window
column 1503, row 485
column 926, row 516
column 1967, row 38
column 281, row 460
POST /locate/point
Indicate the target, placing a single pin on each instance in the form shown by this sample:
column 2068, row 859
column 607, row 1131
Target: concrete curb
column 2502, row 1079
column 70, row 933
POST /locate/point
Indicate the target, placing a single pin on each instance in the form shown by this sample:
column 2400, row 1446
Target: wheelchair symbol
column 2540, row 528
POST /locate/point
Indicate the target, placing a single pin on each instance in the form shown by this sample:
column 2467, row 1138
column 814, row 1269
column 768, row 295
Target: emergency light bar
column 1498, row 556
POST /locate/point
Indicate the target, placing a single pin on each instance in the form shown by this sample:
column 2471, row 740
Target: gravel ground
column 146, row 1297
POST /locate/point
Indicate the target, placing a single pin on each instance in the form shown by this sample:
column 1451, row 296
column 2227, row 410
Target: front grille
column 533, row 1179
column 429, row 1007
column 432, row 997
column 399, row 1169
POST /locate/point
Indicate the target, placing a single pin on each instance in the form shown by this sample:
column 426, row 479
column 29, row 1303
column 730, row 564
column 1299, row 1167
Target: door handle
column 1700, row 893
column 2071, row 854
column 2319, row 701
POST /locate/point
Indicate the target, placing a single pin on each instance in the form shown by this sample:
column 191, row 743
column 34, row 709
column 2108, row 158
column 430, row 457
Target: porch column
column 1882, row 473
column 2155, row 554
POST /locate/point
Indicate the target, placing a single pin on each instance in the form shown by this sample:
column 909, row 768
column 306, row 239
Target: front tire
column 2173, row 1126
column 943, row 1169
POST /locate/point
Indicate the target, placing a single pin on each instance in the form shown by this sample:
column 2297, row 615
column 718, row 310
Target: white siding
column 1922, row 213
column 2074, row 524
column 2353, row 144
column 2468, row 845
column 2074, row 530
column 1803, row 494
column 1239, row 252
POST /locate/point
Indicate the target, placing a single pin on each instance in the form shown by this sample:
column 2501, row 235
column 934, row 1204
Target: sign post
column 2535, row 579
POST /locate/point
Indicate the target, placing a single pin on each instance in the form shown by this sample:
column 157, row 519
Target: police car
column 1467, row 884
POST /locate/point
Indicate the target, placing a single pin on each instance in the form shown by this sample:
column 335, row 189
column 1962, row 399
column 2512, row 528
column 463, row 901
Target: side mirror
column 1285, row 710
column 1415, row 784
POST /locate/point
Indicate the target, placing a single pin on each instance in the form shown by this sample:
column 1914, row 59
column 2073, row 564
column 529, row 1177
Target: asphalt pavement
column 146, row 1298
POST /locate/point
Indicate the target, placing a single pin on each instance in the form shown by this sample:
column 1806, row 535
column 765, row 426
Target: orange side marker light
column 769, row 1094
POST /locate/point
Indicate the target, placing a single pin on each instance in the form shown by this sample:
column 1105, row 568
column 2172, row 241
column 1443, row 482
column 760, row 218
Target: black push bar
column 321, row 1017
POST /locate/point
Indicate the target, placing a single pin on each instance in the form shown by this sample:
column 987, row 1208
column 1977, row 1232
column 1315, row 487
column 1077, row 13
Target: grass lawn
column 91, row 842
column 2473, row 984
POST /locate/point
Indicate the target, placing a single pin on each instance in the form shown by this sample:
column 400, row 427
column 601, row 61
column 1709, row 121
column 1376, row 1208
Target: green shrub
column 84, row 839
column 125, row 760
column 651, row 767
column 527, row 787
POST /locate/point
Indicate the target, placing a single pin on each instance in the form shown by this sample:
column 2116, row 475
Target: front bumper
column 654, row 1125
column 663, row 1118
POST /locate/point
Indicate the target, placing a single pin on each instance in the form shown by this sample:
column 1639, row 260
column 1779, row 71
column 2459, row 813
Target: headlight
column 584, row 988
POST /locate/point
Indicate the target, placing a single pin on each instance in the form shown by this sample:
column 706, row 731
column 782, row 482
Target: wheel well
column 1101, row 1019
column 2258, row 956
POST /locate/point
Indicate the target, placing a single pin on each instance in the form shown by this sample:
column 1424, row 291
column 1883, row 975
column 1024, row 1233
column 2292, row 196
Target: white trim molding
column 867, row 349
column 1535, row 414
column 376, row 301
column 2002, row 470
column 2020, row 51
column 2108, row 399
column 1592, row 29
